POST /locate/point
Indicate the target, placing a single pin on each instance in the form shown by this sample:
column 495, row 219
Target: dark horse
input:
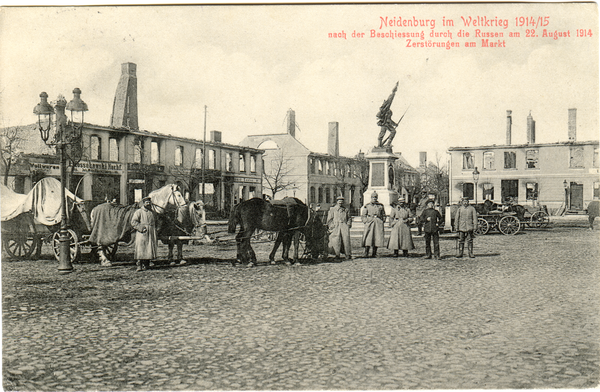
column 289, row 217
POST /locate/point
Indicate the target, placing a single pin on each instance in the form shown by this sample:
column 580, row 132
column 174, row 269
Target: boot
column 367, row 251
column 461, row 249
column 374, row 251
column 139, row 266
column 471, row 255
column 405, row 253
column 396, row 253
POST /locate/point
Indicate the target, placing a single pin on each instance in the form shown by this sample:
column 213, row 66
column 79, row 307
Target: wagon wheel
column 73, row 245
column 509, row 225
column 482, row 227
column 20, row 246
column 539, row 219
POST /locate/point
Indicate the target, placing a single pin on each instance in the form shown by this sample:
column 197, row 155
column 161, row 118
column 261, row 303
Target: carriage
column 28, row 220
column 534, row 217
column 510, row 219
column 505, row 222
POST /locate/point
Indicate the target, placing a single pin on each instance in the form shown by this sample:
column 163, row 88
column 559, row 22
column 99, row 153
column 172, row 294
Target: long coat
column 146, row 244
column 593, row 209
column 465, row 218
column 339, row 223
column 421, row 207
column 373, row 216
column 400, row 236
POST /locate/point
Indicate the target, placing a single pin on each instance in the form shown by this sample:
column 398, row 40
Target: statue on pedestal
column 385, row 121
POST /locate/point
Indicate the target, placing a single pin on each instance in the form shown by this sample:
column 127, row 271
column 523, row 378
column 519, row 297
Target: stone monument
column 381, row 176
column 381, row 158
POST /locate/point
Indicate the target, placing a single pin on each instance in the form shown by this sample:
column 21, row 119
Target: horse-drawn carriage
column 28, row 220
column 509, row 219
column 505, row 222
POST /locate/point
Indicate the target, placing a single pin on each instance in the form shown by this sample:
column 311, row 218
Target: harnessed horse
column 112, row 223
column 289, row 217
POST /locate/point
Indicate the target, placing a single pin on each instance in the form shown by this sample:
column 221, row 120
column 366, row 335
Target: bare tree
column 362, row 173
column 278, row 176
column 11, row 142
column 435, row 179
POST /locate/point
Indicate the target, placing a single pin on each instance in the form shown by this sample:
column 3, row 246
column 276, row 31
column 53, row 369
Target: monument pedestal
column 381, row 176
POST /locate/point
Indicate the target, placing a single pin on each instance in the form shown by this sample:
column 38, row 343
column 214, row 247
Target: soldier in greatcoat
column 373, row 216
column 593, row 210
column 465, row 222
column 339, row 223
column 146, row 240
column 400, row 236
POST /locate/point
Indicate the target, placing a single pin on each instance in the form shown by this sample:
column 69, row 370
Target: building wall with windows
column 330, row 177
column 126, row 165
column 563, row 176
column 533, row 174
column 314, row 178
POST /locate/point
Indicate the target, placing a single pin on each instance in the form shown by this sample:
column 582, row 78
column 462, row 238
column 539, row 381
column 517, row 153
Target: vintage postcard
column 430, row 173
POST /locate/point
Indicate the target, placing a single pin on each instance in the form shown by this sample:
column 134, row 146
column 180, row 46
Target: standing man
column 339, row 223
column 373, row 216
column 146, row 242
column 593, row 210
column 465, row 221
column 400, row 236
column 432, row 219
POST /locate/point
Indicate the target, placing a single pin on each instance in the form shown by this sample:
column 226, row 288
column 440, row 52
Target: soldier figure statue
column 385, row 121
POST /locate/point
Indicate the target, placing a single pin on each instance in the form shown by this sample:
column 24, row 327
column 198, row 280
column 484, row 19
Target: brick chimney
column 291, row 122
column 508, row 127
column 215, row 136
column 423, row 159
column 530, row 129
column 572, row 125
column 333, row 139
column 125, row 110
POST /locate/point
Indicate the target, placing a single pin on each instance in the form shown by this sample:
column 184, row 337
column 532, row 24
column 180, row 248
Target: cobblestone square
column 522, row 314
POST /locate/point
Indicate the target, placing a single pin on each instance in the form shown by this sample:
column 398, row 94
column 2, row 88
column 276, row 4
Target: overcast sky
column 250, row 64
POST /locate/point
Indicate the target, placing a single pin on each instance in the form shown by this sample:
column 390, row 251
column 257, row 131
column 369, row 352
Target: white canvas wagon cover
column 43, row 201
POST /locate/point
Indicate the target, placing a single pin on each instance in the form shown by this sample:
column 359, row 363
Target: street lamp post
column 66, row 132
column 475, row 179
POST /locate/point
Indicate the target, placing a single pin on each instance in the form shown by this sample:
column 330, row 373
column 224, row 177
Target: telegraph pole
column 204, row 155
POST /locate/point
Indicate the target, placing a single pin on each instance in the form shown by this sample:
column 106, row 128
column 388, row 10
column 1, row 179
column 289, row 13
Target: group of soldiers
column 339, row 222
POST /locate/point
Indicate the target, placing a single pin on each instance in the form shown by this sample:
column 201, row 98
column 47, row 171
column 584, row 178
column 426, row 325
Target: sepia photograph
column 350, row 196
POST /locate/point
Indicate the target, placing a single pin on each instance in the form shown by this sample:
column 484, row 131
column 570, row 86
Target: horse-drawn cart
column 29, row 219
column 506, row 223
column 534, row 217
column 509, row 219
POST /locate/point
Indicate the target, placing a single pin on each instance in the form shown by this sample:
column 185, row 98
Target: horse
column 185, row 220
column 111, row 223
column 289, row 217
